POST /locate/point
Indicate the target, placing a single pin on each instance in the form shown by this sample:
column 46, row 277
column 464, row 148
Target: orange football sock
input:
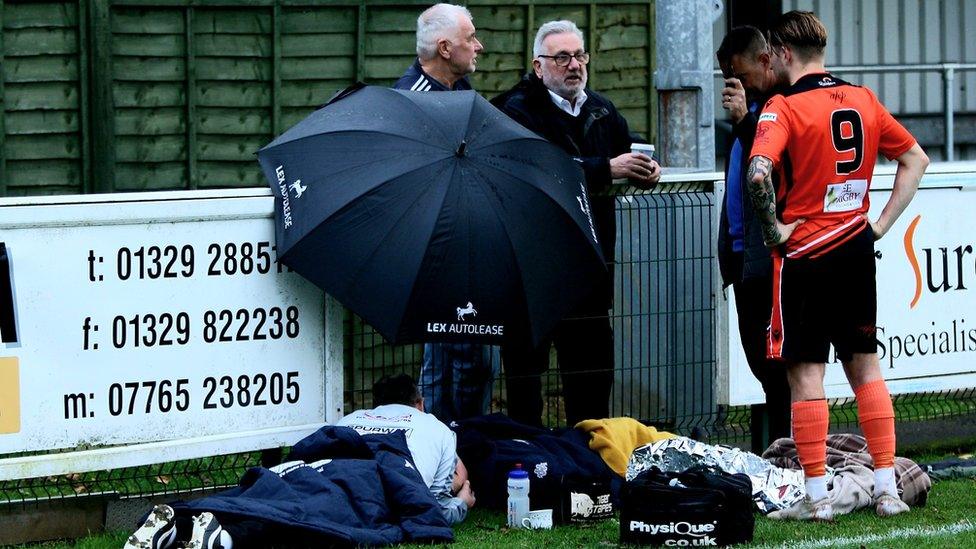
column 810, row 421
column 877, row 418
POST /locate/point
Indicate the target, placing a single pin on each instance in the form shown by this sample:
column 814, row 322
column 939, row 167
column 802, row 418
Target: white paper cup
column 642, row 148
column 538, row 520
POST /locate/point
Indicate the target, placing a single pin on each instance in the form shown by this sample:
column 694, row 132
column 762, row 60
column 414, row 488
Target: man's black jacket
column 754, row 260
column 604, row 135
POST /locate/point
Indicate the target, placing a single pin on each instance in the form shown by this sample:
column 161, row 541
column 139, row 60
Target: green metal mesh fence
column 664, row 360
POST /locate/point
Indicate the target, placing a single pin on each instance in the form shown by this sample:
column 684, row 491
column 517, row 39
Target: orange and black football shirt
column 824, row 134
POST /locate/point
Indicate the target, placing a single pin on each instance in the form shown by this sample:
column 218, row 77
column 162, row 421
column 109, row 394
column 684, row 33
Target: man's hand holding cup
column 638, row 166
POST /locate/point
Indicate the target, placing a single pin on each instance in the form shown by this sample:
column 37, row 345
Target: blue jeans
column 456, row 379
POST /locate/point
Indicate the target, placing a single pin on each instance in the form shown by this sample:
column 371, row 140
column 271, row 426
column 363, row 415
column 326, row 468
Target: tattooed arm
column 763, row 196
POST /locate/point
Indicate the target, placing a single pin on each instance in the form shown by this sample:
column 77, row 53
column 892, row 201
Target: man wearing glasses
column 553, row 101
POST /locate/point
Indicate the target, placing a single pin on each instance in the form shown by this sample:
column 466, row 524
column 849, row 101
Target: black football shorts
column 829, row 299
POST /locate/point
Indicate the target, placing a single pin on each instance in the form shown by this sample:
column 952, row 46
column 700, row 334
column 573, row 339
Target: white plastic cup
column 540, row 519
column 642, row 148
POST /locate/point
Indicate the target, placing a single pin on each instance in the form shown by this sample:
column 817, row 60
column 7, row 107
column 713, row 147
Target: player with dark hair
column 743, row 258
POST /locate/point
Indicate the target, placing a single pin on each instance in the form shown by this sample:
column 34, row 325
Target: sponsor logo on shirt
column 845, row 197
column 826, row 81
column 761, row 137
column 365, row 430
column 767, row 117
column 393, row 419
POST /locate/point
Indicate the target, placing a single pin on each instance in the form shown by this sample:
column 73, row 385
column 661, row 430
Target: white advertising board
column 926, row 292
column 155, row 317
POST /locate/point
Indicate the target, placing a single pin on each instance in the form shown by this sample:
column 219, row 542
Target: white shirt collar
column 565, row 105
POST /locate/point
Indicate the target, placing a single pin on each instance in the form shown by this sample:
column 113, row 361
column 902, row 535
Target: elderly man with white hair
column 456, row 378
column 553, row 101
column 447, row 51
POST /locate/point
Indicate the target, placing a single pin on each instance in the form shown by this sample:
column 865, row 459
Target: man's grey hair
column 435, row 23
column 553, row 27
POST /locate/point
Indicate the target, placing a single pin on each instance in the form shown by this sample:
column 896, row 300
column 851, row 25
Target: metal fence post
column 333, row 359
column 721, row 308
column 683, row 32
column 948, row 77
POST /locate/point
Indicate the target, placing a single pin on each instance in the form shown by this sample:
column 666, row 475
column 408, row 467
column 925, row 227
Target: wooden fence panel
column 231, row 47
column 318, row 57
column 124, row 95
column 149, row 58
column 42, row 132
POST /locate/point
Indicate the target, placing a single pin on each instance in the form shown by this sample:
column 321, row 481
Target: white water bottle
column 518, row 496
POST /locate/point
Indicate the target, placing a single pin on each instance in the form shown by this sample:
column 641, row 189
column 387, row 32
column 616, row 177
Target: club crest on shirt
column 541, row 469
column 761, row 137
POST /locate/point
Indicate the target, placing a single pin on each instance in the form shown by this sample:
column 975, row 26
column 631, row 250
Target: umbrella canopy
column 434, row 216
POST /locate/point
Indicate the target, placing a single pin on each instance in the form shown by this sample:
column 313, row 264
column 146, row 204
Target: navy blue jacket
column 338, row 488
column 416, row 79
column 491, row 445
column 754, row 261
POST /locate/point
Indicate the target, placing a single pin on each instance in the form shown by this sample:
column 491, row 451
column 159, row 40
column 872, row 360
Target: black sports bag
column 699, row 507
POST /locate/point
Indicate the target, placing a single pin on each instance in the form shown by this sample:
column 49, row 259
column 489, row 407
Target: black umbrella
column 434, row 216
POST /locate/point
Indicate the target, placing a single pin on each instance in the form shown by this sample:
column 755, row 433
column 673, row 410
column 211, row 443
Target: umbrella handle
column 342, row 94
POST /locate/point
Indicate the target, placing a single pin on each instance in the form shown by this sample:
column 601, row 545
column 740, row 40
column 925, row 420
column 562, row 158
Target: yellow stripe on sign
column 9, row 395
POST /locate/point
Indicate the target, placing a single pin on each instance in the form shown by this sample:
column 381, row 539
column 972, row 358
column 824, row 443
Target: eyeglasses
column 562, row 59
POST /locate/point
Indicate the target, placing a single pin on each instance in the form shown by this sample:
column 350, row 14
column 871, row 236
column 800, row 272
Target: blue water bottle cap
column 517, row 472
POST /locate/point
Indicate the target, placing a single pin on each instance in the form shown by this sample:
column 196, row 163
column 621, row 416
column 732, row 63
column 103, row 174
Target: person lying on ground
column 399, row 407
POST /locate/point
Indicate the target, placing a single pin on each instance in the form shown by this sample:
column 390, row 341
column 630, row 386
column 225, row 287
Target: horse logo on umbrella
column 298, row 188
column 468, row 310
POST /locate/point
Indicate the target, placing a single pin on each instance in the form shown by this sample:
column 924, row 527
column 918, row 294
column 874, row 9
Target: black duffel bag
column 699, row 507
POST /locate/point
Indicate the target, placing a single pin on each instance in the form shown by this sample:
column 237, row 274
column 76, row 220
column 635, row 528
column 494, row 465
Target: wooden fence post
column 102, row 103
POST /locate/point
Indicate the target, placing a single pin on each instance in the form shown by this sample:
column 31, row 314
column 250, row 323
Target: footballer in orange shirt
column 822, row 135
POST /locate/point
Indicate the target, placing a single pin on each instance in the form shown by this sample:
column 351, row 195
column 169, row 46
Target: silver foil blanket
column 773, row 488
